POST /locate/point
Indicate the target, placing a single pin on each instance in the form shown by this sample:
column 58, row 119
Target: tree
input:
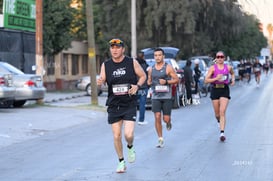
column 57, row 19
column 194, row 26
column 1, row 6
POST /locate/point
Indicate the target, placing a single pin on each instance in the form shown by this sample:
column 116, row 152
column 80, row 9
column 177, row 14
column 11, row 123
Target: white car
column 235, row 68
column 84, row 84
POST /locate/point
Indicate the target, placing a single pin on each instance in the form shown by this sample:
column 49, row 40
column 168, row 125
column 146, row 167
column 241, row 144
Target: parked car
column 235, row 68
column 27, row 86
column 207, row 59
column 203, row 68
column 84, row 84
column 181, row 64
column 178, row 91
column 7, row 91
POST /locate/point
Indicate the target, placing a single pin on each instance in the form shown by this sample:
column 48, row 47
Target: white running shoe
column 131, row 155
column 160, row 143
column 142, row 122
column 121, row 167
column 222, row 137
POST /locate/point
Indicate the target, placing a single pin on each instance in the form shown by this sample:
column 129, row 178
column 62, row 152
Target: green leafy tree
column 57, row 19
column 1, row 6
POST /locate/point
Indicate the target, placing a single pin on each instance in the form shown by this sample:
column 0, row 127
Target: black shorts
column 164, row 105
column 216, row 93
column 257, row 73
column 241, row 73
column 248, row 71
column 116, row 114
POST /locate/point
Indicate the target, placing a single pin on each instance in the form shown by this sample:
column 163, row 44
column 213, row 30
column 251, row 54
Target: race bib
column 256, row 69
column 120, row 89
column 162, row 88
column 224, row 77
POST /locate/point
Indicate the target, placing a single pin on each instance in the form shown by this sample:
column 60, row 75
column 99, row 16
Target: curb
column 62, row 98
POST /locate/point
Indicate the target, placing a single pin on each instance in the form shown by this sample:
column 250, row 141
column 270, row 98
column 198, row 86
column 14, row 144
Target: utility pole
column 91, row 51
column 39, row 37
column 39, row 41
column 133, row 29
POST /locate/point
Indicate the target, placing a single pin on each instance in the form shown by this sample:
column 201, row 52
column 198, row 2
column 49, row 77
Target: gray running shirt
column 160, row 91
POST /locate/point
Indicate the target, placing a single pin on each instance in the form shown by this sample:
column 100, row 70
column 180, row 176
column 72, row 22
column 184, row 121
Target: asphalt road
column 70, row 141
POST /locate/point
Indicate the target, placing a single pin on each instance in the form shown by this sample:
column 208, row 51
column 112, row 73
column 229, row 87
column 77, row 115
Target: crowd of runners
column 247, row 67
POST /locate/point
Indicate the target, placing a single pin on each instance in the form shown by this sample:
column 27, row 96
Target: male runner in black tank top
column 124, row 76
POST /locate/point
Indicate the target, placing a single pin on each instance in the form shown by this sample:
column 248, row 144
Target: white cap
column 196, row 61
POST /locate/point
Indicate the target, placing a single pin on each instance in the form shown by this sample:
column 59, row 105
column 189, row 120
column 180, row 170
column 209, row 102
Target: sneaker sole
column 122, row 171
column 222, row 138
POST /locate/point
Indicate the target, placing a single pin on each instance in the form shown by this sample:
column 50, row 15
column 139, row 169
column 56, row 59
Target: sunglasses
column 116, row 42
column 220, row 56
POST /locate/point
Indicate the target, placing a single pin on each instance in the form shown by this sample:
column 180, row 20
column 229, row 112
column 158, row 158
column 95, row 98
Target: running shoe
column 142, row 122
column 131, row 155
column 218, row 124
column 121, row 167
column 222, row 137
column 160, row 143
column 169, row 126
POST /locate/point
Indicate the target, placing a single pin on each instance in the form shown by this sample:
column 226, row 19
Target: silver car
column 28, row 86
column 7, row 91
column 84, row 84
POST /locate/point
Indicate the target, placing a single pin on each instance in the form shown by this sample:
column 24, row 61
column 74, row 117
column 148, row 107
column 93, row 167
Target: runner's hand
column 133, row 90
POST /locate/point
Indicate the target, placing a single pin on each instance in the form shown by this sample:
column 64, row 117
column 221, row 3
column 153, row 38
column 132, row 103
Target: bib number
column 256, row 69
column 161, row 88
column 224, row 77
column 120, row 89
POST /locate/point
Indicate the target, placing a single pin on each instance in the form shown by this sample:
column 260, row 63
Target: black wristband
column 138, row 86
column 166, row 82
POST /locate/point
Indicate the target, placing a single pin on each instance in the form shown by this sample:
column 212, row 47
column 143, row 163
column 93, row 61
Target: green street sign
column 20, row 14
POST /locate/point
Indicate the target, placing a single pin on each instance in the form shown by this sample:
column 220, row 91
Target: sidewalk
column 18, row 125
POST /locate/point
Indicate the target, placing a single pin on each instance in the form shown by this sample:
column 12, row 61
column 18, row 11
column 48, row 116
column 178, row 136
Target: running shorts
column 216, row 93
column 257, row 73
column 164, row 105
column 241, row 73
column 248, row 70
column 116, row 114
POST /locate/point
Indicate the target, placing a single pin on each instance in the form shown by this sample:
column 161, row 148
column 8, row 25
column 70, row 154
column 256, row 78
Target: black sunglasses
column 220, row 56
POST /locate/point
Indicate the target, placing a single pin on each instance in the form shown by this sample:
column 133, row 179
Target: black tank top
column 121, row 73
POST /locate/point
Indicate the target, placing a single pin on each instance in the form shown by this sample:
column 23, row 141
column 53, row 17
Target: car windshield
column 7, row 68
column 169, row 52
column 151, row 56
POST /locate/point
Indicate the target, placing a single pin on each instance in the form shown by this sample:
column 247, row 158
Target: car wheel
column 6, row 104
column 183, row 100
column 183, row 97
column 19, row 103
column 88, row 90
column 176, row 101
